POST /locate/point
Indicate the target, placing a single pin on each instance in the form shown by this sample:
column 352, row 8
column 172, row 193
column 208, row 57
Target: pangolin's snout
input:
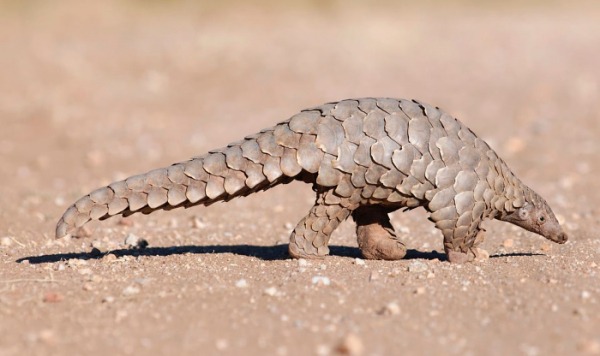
column 561, row 238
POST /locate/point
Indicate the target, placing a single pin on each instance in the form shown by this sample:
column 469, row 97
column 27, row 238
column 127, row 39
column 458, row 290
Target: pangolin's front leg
column 376, row 237
column 311, row 236
column 462, row 233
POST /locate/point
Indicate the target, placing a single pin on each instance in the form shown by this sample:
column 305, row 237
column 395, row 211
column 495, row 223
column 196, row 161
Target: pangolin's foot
column 311, row 236
column 473, row 254
column 304, row 249
column 460, row 257
column 376, row 237
column 378, row 243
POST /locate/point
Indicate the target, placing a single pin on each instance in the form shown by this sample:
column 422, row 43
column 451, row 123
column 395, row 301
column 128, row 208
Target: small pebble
column 126, row 222
column 302, row 262
column 221, row 344
column 272, row 291
column 546, row 247
column 585, row 294
column 198, row 223
column 420, row 290
column 109, row 257
column 75, row 262
column 417, row 267
column 359, row 262
column 390, row 309
column 578, row 312
column 59, row 267
column 131, row 290
column 53, row 297
column 351, row 344
column 323, row 350
column 108, row 299
column 135, row 242
column 47, row 336
column 6, row 241
column 508, row 243
column 321, row 281
column 514, row 145
column 85, row 271
column 98, row 244
column 241, row 283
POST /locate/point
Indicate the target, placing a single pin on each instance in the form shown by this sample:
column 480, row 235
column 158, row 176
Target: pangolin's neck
column 515, row 192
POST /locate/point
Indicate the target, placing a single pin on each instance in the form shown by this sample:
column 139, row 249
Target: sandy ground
column 94, row 93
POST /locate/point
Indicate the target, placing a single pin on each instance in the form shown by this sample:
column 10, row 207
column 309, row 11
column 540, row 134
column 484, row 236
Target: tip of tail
column 62, row 229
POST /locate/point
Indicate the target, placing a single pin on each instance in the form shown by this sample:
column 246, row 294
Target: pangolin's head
column 536, row 216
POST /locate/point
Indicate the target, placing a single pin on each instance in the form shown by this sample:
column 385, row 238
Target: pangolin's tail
column 278, row 155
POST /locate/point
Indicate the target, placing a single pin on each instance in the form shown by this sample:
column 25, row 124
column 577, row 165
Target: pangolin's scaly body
column 365, row 158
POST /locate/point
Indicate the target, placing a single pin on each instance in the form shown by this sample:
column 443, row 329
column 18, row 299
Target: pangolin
column 364, row 158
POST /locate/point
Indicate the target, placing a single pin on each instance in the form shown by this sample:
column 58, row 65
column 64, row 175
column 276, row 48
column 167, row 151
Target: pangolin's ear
column 525, row 211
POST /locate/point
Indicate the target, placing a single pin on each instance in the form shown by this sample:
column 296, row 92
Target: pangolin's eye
column 542, row 219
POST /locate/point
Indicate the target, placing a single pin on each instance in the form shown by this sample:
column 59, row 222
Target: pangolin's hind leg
column 376, row 237
column 311, row 236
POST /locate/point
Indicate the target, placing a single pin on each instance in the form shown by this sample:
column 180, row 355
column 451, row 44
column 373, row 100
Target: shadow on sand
column 267, row 253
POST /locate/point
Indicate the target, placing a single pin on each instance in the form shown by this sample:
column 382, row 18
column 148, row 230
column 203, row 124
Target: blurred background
column 94, row 91
column 164, row 77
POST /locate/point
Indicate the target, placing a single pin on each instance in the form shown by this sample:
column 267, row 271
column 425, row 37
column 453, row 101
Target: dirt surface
column 97, row 92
